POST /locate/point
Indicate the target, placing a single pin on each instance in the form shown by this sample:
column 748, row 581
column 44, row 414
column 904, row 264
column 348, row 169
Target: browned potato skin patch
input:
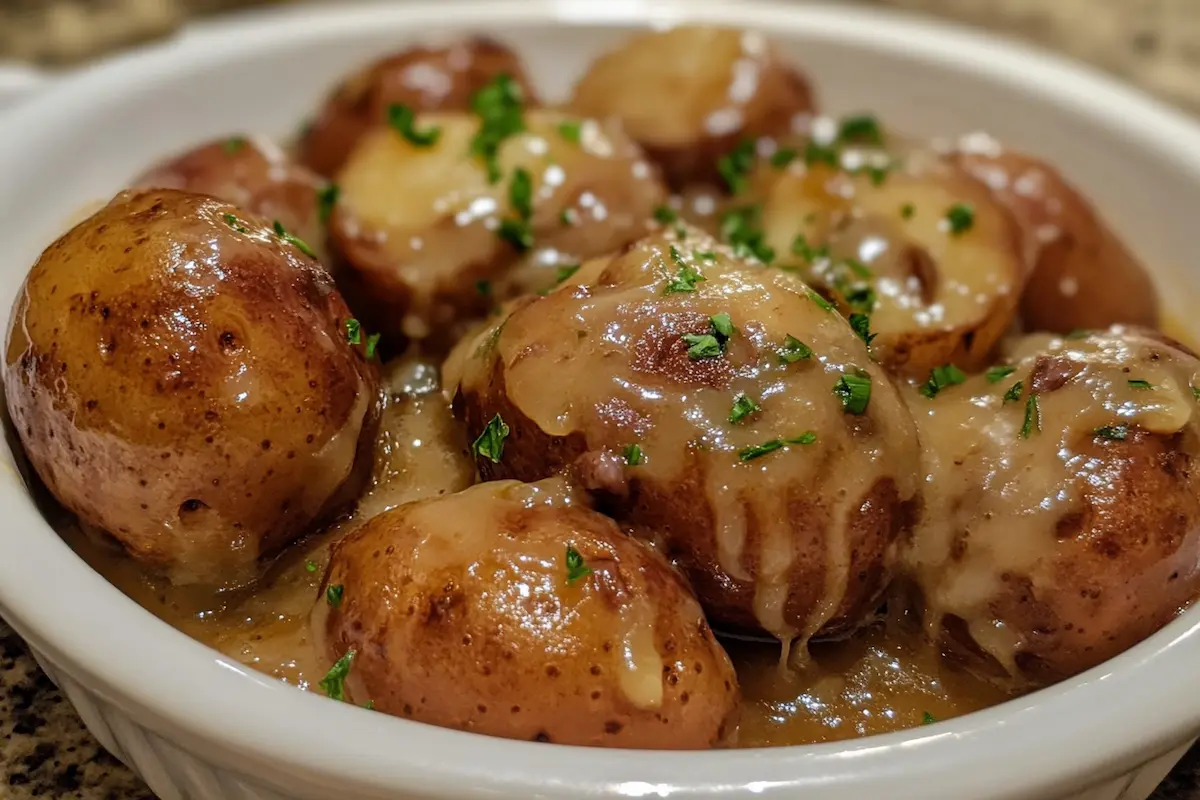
column 1113, row 287
column 122, row 378
column 455, row 647
column 646, row 66
column 253, row 176
column 1123, row 567
column 361, row 101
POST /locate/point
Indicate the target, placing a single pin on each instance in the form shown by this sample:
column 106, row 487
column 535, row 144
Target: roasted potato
column 255, row 175
column 423, row 78
column 724, row 409
column 1061, row 520
column 1084, row 276
column 512, row 610
column 431, row 242
column 922, row 248
column 180, row 377
column 691, row 94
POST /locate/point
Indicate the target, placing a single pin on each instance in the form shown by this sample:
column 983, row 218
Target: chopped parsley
column 908, row 211
column 735, row 165
column 403, row 120
column 784, row 156
column 233, row 144
column 295, row 241
column 665, row 214
column 860, row 128
column 941, row 378
column 704, row 255
column 633, row 455
column 232, row 221
column 794, row 350
column 326, row 200
column 743, row 406
column 999, row 372
column 1115, row 432
column 808, row 437
column 483, row 288
column 353, row 331
column 928, row 719
column 854, row 390
column 576, row 569
column 687, row 277
column 1140, row 384
column 759, row 450
column 722, row 325
column 372, row 345
column 877, row 174
column 861, row 324
column 333, row 595
column 571, row 131
column 821, row 154
column 334, row 682
column 860, row 298
column 311, row 566
column 739, row 227
column 1014, row 392
column 1033, row 417
column 961, row 218
column 819, row 300
column 801, row 247
column 498, row 106
column 1195, row 392
column 564, row 272
column 520, row 193
column 568, row 217
column 1078, row 333
column 702, row 345
column 490, row 444
column 517, row 233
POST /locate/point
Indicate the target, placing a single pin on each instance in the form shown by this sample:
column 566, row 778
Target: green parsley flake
column 794, row 350
column 490, row 444
column 403, row 120
column 568, row 217
column 1195, row 392
column 928, row 719
column 353, row 331
column 854, row 390
column 687, row 277
column 861, row 298
column 784, row 156
column 961, row 218
column 739, row 227
column 860, row 128
column 704, row 255
column 326, row 201
column 520, row 193
column 517, row 233
column 743, row 406
column 821, row 154
column 333, row 595
column 665, row 214
column 808, row 437
column 819, row 300
column 571, row 131
column 1115, row 432
column 908, row 211
column 633, row 455
column 311, row 566
column 576, row 569
column 1140, row 384
column 233, row 144
column 941, row 378
column 295, row 241
column 811, row 254
column 736, row 165
column 999, row 372
column 722, row 325
column 759, row 450
column 1033, row 417
column 498, row 106
column 1078, row 333
column 861, row 324
column 1014, row 392
column 372, row 345
column 334, row 682
column 702, row 345
column 232, row 221
column 877, row 174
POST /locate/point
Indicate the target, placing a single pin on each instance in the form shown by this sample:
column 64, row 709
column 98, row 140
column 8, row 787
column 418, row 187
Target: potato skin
column 422, row 78
column 1084, row 276
column 681, row 95
column 798, row 543
column 460, row 614
column 1099, row 545
column 254, row 174
column 188, row 387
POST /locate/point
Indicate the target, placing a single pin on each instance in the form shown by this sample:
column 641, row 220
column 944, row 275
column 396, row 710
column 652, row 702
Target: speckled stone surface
column 46, row 752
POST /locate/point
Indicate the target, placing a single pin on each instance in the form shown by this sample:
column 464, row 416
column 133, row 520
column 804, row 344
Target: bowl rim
column 226, row 713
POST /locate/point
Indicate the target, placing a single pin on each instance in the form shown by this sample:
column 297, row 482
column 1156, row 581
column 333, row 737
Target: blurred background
column 1154, row 43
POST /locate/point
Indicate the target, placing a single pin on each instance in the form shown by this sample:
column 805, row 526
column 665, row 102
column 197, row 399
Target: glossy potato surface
column 424, row 78
column 462, row 611
column 690, row 94
column 795, row 540
column 180, row 378
column 1060, row 531
column 1084, row 277
column 420, row 227
column 254, row 174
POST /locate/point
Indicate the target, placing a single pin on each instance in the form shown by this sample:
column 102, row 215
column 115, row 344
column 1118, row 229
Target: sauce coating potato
column 511, row 610
column 1061, row 521
column 1084, row 276
column 254, row 174
column 421, row 227
column 422, row 78
column 721, row 407
column 690, row 94
column 180, row 378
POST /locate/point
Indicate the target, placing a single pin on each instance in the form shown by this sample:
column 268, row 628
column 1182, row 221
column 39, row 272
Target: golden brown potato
column 511, row 610
column 431, row 242
column 923, row 249
column 423, row 78
column 1061, row 519
column 180, row 377
column 721, row 407
column 689, row 95
column 1084, row 276
column 255, row 175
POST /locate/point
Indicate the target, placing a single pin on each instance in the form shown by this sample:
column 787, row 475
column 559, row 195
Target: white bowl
column 198, row 725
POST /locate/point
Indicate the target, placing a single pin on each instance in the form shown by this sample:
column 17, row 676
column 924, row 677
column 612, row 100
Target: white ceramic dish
column 196, row 725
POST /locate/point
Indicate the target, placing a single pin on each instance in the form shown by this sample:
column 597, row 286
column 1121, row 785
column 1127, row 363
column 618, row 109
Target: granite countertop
column 46, row 752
